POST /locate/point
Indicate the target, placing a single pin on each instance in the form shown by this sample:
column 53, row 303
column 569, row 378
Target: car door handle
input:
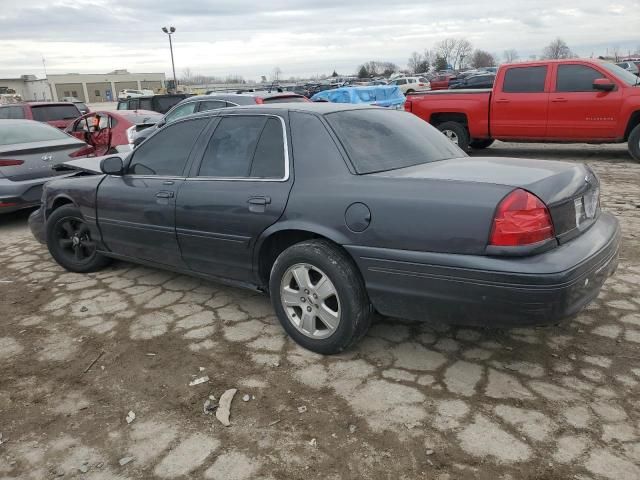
column 559, row 100
column 503, row 100
column 259, row 200
column 164, row 194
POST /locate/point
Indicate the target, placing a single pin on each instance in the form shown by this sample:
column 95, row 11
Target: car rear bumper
column 36, row 225
column 18, row 195
column 492, row 291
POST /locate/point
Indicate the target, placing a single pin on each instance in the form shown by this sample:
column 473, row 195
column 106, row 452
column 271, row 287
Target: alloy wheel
column 451, row 135
column 74, row 239
column 310, row 301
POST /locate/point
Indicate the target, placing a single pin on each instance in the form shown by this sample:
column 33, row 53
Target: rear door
column 136, row 211
column 576, row 110
column 520, row 103
column 238, row 189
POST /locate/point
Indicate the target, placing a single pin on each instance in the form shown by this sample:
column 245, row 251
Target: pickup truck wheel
column 482, row 143
column 70, row 243
column 634, row 143
column 320, row 297
column 456, row 132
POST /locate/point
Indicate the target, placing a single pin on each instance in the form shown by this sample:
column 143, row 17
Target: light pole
column 170, row 31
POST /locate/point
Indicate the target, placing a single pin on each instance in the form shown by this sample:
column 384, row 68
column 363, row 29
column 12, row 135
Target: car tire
column 456, row 132
column 69, row 241
column 481, row 143
column 303, row 305
column 634, row 143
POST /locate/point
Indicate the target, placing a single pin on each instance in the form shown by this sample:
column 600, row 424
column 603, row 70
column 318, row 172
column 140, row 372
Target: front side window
column 166, row 153
column 576, row 78
column 525, row 80
column 377, row 140
column 246, row 147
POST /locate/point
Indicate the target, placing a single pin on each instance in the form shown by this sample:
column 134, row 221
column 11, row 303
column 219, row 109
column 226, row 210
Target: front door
column 136, row 211
column 520, row 104
column 577, row 111
column 238, row 190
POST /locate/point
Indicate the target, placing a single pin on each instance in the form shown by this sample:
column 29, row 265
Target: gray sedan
column 338, row 211
column 28, row 150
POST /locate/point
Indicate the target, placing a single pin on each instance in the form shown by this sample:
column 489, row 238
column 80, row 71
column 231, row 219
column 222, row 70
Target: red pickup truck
column 566, row 101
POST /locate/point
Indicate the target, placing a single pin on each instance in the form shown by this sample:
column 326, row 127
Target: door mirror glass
column 603, row 84
column 112, row 166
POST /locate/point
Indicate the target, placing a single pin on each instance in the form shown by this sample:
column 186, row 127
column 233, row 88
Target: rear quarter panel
column 474, row 105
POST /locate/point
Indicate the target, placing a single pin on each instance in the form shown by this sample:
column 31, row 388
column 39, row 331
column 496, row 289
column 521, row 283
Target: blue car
column 379, row 95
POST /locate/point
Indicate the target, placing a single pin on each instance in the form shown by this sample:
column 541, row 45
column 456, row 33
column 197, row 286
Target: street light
column 170, row 31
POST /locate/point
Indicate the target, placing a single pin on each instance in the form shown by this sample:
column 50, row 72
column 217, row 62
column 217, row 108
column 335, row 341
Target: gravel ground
column 413, row 400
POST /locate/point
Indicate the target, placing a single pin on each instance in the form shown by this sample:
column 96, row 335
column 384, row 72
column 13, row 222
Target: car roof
column 318, row 108
column 46, row 104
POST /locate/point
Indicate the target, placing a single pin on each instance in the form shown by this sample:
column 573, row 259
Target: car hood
column 86, row 165
column 551, row 181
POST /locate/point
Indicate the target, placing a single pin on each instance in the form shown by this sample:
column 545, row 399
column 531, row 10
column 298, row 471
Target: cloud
column 302, row 37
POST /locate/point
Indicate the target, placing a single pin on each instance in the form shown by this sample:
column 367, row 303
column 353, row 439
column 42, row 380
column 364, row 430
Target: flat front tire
column 456, row 132
column 70, row 243
column 634, row 143
column 319, row 296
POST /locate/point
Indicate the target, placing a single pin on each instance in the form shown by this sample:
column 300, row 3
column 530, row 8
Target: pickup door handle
column 164, row 194
column 259, row 200
column 558, row 100
column 503, row 100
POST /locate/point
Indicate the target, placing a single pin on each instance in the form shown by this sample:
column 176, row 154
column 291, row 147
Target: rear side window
column 525, row 80
column 122, row 105
column 211, row 105
column 47, row 113
column 181, row 111
column 15, row 113
column 166, row 153
column 576, row 78
column 268, row 161
column 232, row 146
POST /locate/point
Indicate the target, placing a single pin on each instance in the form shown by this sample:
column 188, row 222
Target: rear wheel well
column 634, row 120
column 277, row 243
column 438, row 118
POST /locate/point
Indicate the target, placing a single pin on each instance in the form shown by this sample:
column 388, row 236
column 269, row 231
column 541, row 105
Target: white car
column 127, row 93
column 412, row 84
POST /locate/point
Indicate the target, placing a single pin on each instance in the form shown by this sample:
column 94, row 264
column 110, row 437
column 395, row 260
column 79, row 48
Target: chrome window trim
column 285, row 178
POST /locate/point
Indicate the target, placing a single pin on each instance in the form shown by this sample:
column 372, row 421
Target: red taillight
column 10, row 163
column 521, row 219
column 407, row 106
column 259, row 101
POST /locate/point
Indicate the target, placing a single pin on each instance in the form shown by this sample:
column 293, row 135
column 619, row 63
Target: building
column 88, row 87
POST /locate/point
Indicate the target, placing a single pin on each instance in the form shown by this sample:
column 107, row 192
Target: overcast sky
column 302, row 37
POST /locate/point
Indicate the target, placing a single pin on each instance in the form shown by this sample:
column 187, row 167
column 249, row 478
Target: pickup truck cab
column 567, row 101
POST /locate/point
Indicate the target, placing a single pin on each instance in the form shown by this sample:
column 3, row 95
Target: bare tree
column 418, row 63
column 462, row 52
column 510, row 55
column 446, row 49
column 481, row 58
column 429, row 57
column 558, row 49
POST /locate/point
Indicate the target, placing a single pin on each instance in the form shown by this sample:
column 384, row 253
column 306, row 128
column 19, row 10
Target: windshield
column 27, row 132
column 377, row 140
column 622, row 74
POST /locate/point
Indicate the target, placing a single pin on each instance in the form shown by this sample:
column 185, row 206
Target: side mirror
column 603, row 84
column 112, row 166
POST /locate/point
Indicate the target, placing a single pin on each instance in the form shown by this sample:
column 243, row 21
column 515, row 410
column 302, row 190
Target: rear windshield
column 28, row 132
column 377, row 140
column 283, row 99
column 46, row 113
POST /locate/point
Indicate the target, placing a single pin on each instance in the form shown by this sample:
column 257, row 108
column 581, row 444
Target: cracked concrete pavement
column 412, row 400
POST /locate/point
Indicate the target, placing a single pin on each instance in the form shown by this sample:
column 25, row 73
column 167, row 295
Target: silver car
column 28, row 151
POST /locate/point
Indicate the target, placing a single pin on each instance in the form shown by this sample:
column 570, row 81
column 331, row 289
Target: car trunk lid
column 35, row 160
column 569, row 190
